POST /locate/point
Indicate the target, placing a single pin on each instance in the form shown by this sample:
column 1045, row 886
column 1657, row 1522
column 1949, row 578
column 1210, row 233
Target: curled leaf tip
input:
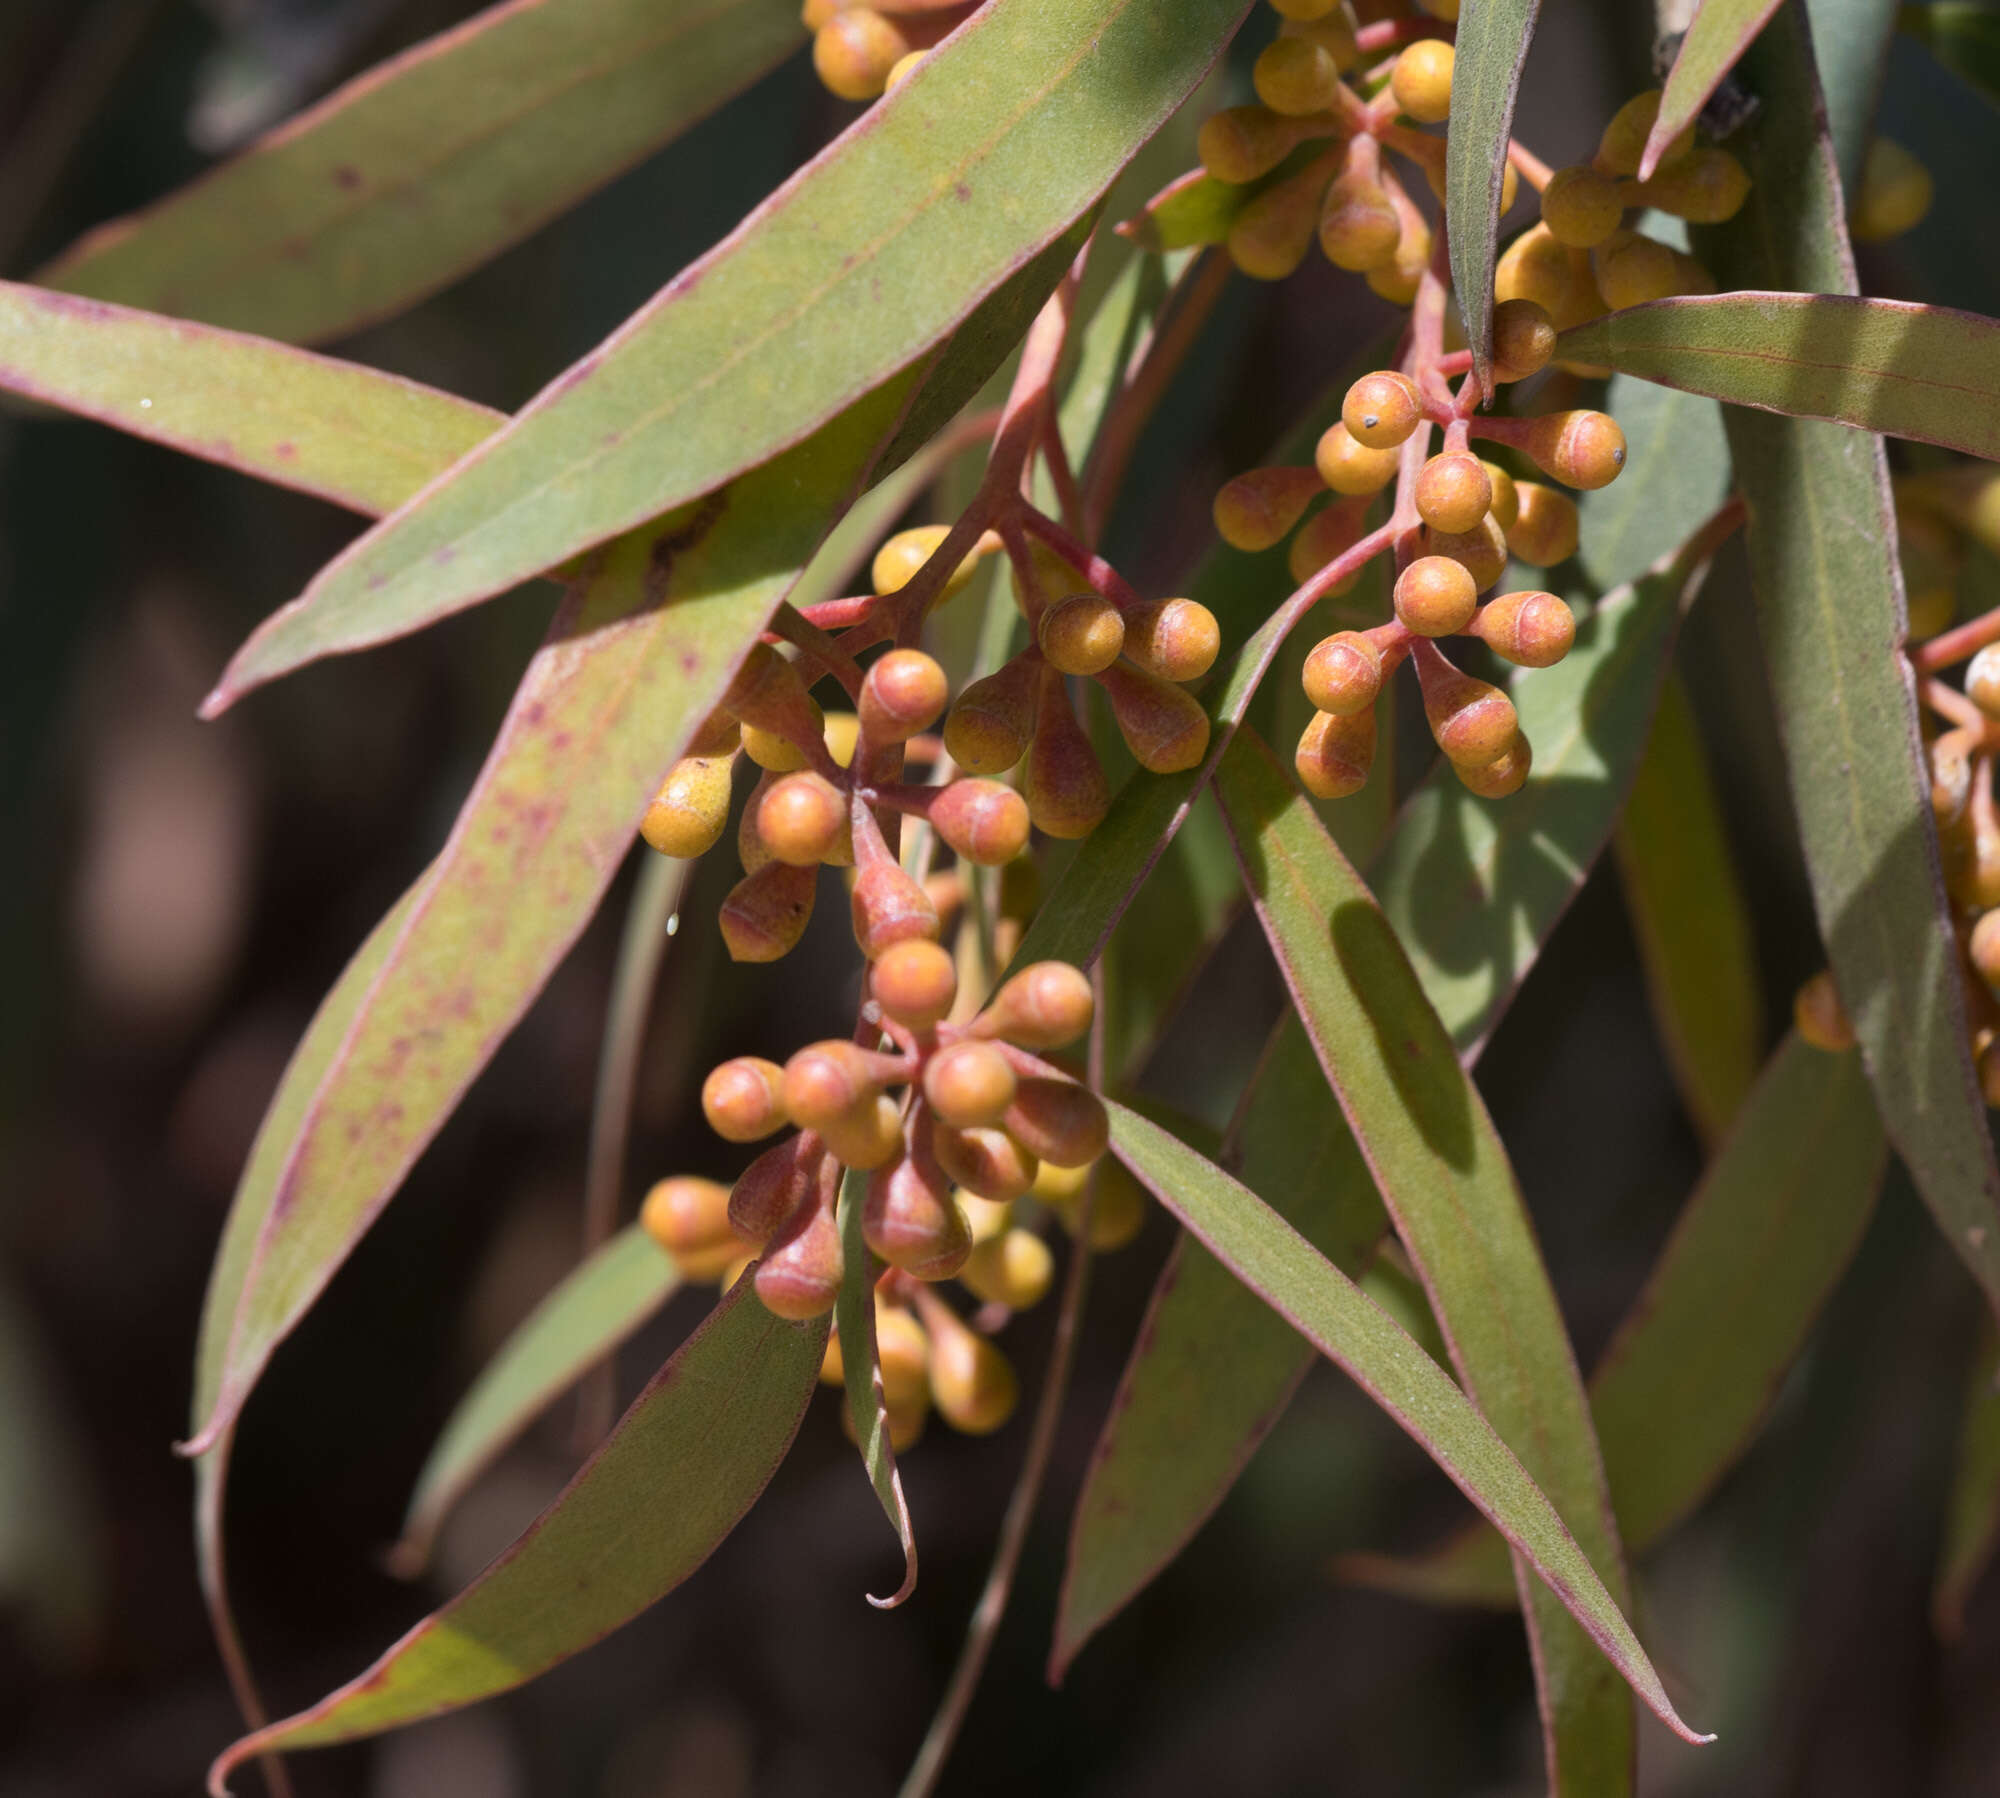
column 220, row 698
column 903, row 1592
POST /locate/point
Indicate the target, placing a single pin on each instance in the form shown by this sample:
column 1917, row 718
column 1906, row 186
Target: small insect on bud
column 1623, row 144
column 1545, row 527
column 1474, row 723
column 854, row 51
column 910, row 1219
column 1707, row 186
column 969, row 1084
column 1453, row 493
column 1581, row 207
column 1325, row 536
column 993, row 720
column 744, row 1099
column 691, row 810
column 1348, row 466
column 1529, row 629
column 899, row 560
column 1048, row 1005
column 1435, row 597
column 1295, row 76
column 1258, row 508
column 972, row 1384
column 1065, row 786
column 767, row 912
column 799, row 1275
column 1381, row 410
column 1821, row 1018
column 1359, row 226
column 1014, row 1269
column 1335, row 754
column 1163, row 725
column 1507, row 772
column 1422, row 81
column 1524, row 338
column 802, row 819
column 1242, row 142
column 1176, row 639
column 1059, row 1121
column 1984, row 950
column 1580, row 449
column 1481, row 551
column 772, row 1188
column 914, row 982
column 1343, row 673
column 887, row 907
column 982, row 820
column 1082, row 633
column 689, row 1218
column 902, row 693
column 1270, row 237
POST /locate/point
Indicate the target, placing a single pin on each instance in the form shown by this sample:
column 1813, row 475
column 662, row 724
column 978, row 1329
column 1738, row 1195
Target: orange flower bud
column 910, row 1219
column 1258, row 508
column 1821, row 1018
column 744, row 1099
column 1336, row 753
column 1474, row 723
column 691, row 809
column 1545, row 528
column 1176, row 639
column 993, row 720
column 1453, row 493
column 1506, row 773
column 689, row 1218
column 1530, row 629
column 1343, row 673
column 889, row 907
column 985, row 1161
column 1065, row 787
column 1059, row 1121
column 767, row 912
column 1382, row 409
column 969, row 1084
column 1045, row 1006
column 1435, row 597
column 903, row 693
column 1524, row 338
column 771, row 1189
column 802, row 819
column 1082, row 633
column 1580, row 449
column 915, row 982
column 799, row 1275
column 1163, row 725
column 983, row 821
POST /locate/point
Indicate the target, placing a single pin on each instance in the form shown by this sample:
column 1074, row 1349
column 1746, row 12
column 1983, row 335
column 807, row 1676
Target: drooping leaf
column 1331, row 1313
column 1964, row 35
column 1830, row 612
column 861, row 1379
column 869, row 257
column 637, row 658
column 1685, row 1384
column 1442, row 1173
column 1213, row 1365
column 1972, row 1512
column 345, row 433
column 1717, row 36
column 595, row 1307
column 694, row 1452
column 1925, row 372
column 1690, row 918
column 1492, row 46
column 421, row 169
column 1475, row 885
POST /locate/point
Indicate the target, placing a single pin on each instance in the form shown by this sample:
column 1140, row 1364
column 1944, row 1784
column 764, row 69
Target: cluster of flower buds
column 862, row 48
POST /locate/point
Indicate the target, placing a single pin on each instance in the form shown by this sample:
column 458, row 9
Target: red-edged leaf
column 1719, row 33
column 861, row 1380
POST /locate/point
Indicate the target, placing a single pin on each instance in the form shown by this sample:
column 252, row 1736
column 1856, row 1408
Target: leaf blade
column 1972, row 1510
column 783, row 324
column 590, row 1311
column 710, row 1429
column 1931, row 373
column 861, row 1380
column 1445, row 1179
column 1331, row 1312
column 1492, row 46
column 1830, row 611
column 431, row 163
column 340, row 431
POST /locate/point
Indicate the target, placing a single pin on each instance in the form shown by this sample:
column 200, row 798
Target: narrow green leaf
column 1686, row 1382
column 430, row 164
column 1925, row 372
column 1689, row 915
column 1493, row 38
column 1972, row 1513
column 1964, row 35
column 637, row 658
column 1830, row 611
column 595, row 1307
column 349, row 434
column 1213, row 1366
column 1716, row 38
column 1473, row 885
column 1446, row 1181
column 1331, row 1313
column 694, row 1452
column 861, row 1379
column 868, row 258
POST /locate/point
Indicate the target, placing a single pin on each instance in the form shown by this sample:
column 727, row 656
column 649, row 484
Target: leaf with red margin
column 691, row 1456
column 430, row 164
column 1717, row 36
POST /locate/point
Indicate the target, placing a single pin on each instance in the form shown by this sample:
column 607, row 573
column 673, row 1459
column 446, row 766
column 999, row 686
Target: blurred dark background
column 177, row 896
